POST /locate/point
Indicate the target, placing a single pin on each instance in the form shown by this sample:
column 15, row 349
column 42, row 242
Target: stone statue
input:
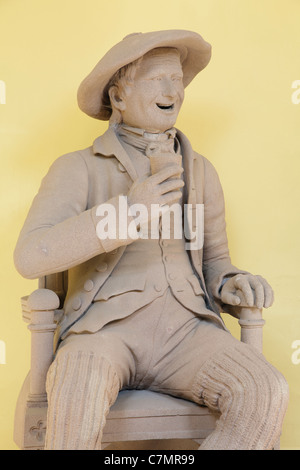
column 147, row 279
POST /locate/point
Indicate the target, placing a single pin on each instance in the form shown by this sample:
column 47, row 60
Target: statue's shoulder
column 200, row 162
column 206, row 165
column 78, row 160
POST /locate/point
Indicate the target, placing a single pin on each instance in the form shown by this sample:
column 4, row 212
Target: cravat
column 147, row 142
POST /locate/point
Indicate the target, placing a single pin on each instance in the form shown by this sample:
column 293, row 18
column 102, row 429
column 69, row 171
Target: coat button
column 76, row 304
column 88, row 285
column 102, row 267
column 172, row 276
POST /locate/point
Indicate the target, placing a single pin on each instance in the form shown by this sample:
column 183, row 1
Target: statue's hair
column 123, row 79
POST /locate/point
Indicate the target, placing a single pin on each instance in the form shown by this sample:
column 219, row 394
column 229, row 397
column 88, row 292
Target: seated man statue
column 144, row 297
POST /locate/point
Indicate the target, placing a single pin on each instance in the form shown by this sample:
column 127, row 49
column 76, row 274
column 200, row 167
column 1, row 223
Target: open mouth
column 165, row 107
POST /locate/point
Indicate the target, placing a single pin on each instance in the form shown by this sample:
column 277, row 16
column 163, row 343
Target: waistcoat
column 147, row 268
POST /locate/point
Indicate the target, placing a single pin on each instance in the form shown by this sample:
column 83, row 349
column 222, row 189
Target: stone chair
column 137, row 414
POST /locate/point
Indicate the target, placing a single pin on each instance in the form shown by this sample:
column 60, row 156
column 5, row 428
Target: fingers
column 230, row 298
column 242, row 283
column 255, row 289
column 268, row 292
column 166, row 189
column 269, row 298
column 170, row 185
column 170, row 198
column 258, row 291
column 151, row 188
column 167, row 172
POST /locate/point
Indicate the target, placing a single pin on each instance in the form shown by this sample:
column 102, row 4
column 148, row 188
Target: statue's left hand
column 247, row 290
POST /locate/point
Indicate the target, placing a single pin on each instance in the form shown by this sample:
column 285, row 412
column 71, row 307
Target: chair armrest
column 39, row 310
column 251, row 322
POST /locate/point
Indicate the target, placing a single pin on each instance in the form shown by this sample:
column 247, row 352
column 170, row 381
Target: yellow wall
column 240, row 113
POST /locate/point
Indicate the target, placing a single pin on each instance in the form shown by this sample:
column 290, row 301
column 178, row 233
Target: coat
column 59, row 233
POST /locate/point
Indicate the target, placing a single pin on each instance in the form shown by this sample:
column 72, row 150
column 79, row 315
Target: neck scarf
column 148, row 142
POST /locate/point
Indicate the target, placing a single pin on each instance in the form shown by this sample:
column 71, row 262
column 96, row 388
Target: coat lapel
column 188, row 166
column 109, row 145
column 193, row 198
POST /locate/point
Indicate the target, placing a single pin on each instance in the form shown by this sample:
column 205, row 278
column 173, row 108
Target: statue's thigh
column 178, row 370
column 106, row 345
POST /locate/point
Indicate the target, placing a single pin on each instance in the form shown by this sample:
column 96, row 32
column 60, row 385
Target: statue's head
column 149, row 93
column 141, row 80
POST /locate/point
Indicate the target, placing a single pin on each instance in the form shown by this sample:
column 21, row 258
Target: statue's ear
column 116, row 99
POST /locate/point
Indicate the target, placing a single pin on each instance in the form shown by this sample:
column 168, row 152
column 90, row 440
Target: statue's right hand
column 162, row 188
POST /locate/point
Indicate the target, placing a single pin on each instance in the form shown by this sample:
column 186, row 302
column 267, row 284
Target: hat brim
column 195, row 52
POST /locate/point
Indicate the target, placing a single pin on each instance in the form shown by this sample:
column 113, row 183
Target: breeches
column 165, row 348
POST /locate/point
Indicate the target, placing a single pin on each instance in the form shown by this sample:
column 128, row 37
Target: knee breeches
column 168, row 349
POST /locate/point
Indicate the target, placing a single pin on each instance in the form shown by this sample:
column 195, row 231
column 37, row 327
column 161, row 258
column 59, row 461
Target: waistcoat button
column 158, row 288
column 88, row 285
column 102, row 267
column 121, row 168
column 76, row 304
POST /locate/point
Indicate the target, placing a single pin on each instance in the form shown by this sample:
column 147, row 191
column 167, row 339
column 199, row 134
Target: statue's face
column 154, row 100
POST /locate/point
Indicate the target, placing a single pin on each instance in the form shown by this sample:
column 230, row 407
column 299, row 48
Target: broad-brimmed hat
column 195, row 54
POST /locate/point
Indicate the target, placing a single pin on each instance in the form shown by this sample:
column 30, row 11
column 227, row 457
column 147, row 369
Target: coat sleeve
column 217, row 264
column 60, row 231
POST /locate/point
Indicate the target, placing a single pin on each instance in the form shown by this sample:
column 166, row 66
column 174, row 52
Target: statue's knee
column 261, row 386
column 279, row 391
